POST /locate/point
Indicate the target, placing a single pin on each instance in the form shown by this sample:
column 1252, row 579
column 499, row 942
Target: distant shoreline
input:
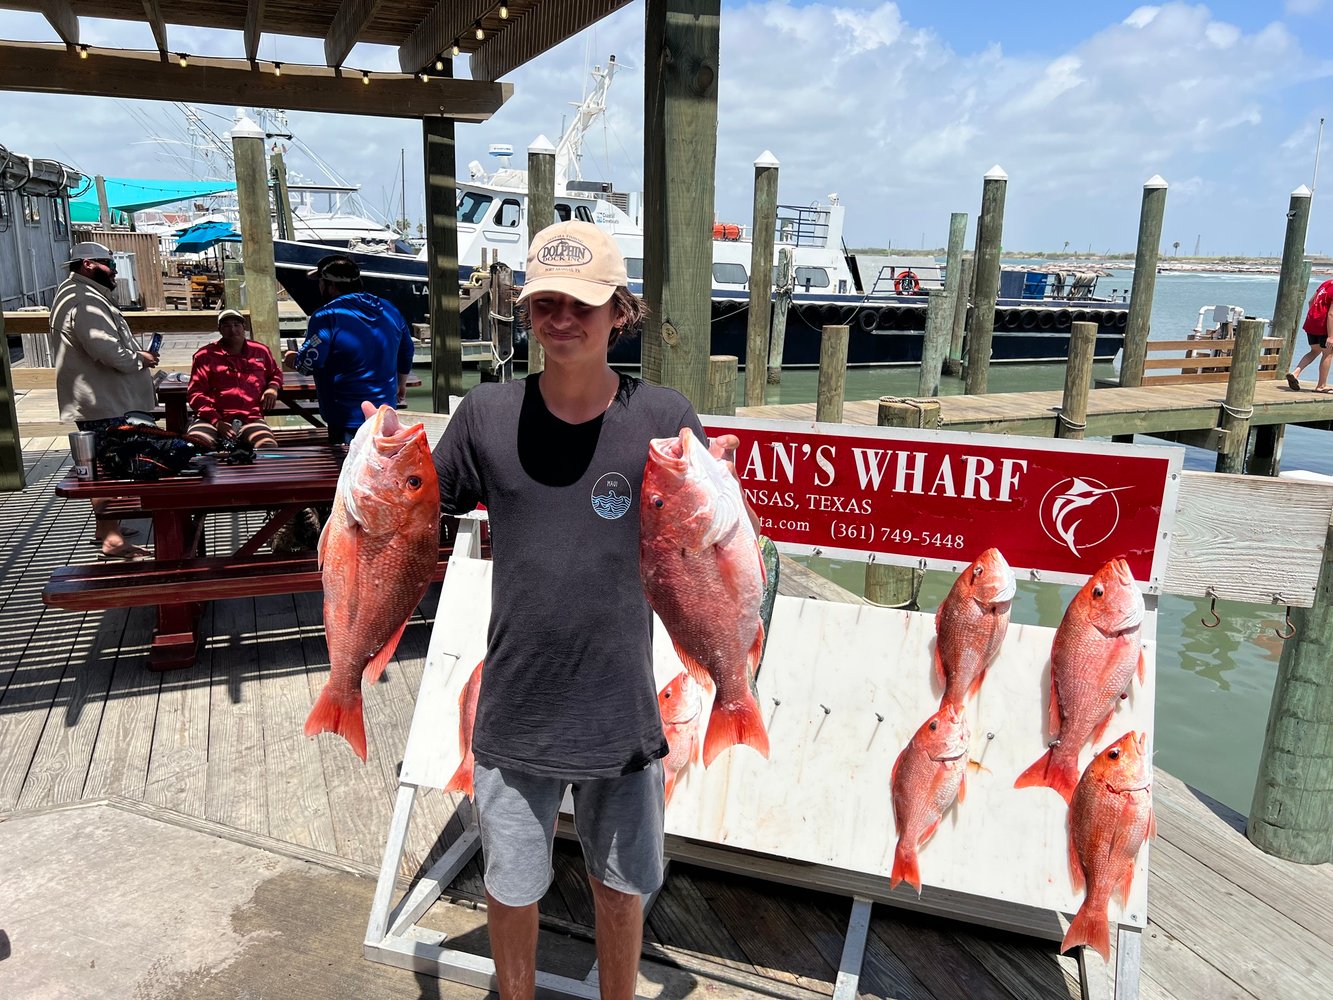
column 1092, row 262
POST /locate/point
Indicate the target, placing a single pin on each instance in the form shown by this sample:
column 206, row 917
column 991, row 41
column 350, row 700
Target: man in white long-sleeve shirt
column 101, row 373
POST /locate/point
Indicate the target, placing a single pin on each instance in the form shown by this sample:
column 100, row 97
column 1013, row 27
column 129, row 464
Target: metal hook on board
column 1212, row 610
column 1290, row 628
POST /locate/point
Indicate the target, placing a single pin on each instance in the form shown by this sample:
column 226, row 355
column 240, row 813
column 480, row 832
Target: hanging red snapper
column 1096, row 652
column 971, row 624
column 377, row 554
column 467, row 719
column 1109, row 819
column 704, row 576
column 681, row 703
column 929, row 774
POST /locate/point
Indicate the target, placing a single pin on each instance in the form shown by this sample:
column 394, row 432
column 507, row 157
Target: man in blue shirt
column 358, row 347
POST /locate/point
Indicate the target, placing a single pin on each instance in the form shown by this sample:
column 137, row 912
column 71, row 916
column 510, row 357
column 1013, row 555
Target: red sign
column 938, row 499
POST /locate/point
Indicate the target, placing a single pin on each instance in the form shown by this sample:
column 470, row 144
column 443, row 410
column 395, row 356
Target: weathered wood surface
column 82, row 717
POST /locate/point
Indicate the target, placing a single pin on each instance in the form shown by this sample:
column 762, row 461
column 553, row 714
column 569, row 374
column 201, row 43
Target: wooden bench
column 1203, row 360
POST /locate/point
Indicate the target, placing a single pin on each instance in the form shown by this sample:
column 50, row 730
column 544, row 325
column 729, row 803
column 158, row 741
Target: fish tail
column 1090, row 927
column 339, row 712
column 462, row 779
column 906, row 866
column 1052, row 772
column 737, row 722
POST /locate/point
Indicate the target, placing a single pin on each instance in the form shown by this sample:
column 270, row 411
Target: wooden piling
column 721, row 398
column 1266, row 456
column 103, row 207
column 990, row 232
column 541, row 213
column 233, row 282
column 282, row 202
column 1291, row 815
column 953, row 363
column 12, row 476
column 1290, row 286
column 781, row 307
column 499, row 320
column 446, row 344
column 261, row 278
column 832, row 374
column 1239, row 404
column 1151, row 214
column 898, row 586
column 935, row 343
column 761, row 276
column 1073, row 417
column 953, row 272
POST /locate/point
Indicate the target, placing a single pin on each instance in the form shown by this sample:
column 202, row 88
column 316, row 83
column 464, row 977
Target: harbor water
column 1213, row 685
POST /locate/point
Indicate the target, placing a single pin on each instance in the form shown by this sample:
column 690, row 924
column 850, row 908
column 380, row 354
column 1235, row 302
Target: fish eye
column 657, row 502
column 1114, row 754
column 1098, row 590
column 414, row 482
column 934, row 725
column 976, row 570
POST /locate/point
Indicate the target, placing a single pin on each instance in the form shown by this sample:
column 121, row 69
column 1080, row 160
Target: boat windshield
column 472, row 206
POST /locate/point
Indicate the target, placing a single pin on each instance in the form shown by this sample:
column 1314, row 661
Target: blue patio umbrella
column 204, row 236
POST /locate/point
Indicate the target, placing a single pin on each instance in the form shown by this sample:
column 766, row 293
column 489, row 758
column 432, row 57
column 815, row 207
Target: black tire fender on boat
column 907, row 283
column 1008, row 318
column 831, row 315
column 1082, row 316
column 867, row 319
column 1045, row 319
column 888, row 317
column 1122, row 318
column 1027, row 319
column 1063, row 318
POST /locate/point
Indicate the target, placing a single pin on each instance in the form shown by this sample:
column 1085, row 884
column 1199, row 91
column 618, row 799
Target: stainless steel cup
column 83, row 450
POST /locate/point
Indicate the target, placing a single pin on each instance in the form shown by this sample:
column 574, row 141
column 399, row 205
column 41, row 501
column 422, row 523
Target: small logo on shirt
column 612, row 496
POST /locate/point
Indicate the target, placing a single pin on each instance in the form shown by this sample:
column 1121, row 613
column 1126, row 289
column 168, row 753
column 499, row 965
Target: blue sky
column 899, row 108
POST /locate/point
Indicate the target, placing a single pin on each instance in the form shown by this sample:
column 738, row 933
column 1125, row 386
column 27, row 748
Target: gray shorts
column 619, row 822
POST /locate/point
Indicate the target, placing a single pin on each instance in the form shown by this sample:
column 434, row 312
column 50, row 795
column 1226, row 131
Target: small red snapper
column 1096, row 652
column 1109, row 819
column 377, row 554
column 703, row 574
column 467, row 718
column 681, row 703
column 970, row 625
column 929, row 774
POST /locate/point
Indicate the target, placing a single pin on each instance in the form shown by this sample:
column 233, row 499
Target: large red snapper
column 704, row 576
column 928, row 776
column 970, row 625
column 377, row 553
column 1109, row 819
column 467, row 720
column 681, row 703
column 1096, row 652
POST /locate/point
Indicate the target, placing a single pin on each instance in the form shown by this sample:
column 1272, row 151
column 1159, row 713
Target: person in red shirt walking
column 233, row 379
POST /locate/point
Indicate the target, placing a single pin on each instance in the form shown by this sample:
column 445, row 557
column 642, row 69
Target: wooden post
column 233, row 283
column 832, row 374
column 898, row 586
column 935, row 344
column 721, row 398
column 499, row 320
column 282, row 202
column 103, row 208
column 261, row 278
column 541, row 213
column 761, row 276
column 1073, row 417
column 990, row 232
column 446, row 343
column 679, row 155
column 953, row 273
column 1239, row 404
column 1266, row 458
column 1145, row 281
column 1292, row 812
column 781, row 307
column 1290, row 288
column 11, row 445
column 953, row 363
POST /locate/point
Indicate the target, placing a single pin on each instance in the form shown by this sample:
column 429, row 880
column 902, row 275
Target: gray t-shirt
column 568, row 685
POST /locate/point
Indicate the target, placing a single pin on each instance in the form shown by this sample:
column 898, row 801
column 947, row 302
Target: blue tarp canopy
column 125, row 194
column 204, row 236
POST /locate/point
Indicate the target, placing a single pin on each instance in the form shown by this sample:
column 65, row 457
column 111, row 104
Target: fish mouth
column 944, row 758
column 392, row 436
column 671, row 453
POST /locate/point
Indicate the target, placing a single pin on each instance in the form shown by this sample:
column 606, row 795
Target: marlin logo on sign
column 1080, row 513
column 564, row 252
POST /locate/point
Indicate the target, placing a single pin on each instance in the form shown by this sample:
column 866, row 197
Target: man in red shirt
column 233, row 379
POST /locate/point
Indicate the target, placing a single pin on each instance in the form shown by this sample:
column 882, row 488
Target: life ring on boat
column 907, row 283
column 867, row 319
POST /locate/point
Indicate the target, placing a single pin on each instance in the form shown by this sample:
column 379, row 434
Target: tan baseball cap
column 230, row 314
column 577, row 259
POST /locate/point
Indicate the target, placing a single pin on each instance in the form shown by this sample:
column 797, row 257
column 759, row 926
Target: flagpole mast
column 1314, row 182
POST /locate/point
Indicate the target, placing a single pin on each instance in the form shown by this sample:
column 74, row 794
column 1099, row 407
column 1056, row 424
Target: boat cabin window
column 508, row 213
column 59, row 220
column 562, row 212
column 730, row 274
column 4, row 210
column 32, row 214
column 584, row 213
column 814, row 277
column 472, row 207
column 634, row 268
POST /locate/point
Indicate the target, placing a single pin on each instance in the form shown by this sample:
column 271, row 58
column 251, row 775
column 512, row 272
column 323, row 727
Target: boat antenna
column 1319, row 143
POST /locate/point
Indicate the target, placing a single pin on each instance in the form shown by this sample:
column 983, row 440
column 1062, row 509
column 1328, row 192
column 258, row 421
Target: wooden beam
column 254, row 27
column 53, row 69
column 447, row 20
column 348, row 23
column 62, row 17
column 152, row 10
column 540, row 29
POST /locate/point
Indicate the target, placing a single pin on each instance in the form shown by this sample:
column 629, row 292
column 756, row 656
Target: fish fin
column 1076, row 875
column 939, row 667
column 375, row 668
column 893, row 777
column 1035, row 775
column 906, row 867
column 763, row 570
column 1142, row 669
column 962, row 785
column 1052, row 772
column 755, row 655
column 462, row 779
column 729, row 725
column 1055, row 719
column 1121, row 890
column 1090, row 928
column 322, row 548
column 1152, row 824
column 697, row 670
column 975, row 686
column 341, row 714
column 1099, row 730
column 670, row 785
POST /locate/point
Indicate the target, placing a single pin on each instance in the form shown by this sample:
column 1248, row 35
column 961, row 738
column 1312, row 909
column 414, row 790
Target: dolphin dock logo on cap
column 564, row 252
